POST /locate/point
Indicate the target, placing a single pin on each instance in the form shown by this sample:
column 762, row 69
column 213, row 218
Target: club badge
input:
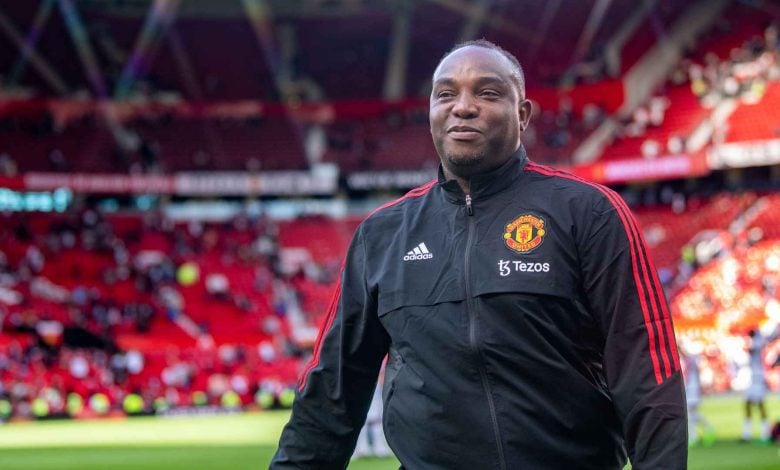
column 524, row 233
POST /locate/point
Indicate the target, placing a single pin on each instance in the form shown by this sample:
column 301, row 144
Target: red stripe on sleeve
column 634, row 264
column 315, row 358
column 648, row 274
column 672, row 343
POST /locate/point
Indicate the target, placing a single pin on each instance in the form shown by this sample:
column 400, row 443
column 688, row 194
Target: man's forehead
column 474, row 59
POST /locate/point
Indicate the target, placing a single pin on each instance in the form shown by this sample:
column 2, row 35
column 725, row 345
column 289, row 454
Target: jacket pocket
column 416, row 297
column 395, row 363
column 520, row 283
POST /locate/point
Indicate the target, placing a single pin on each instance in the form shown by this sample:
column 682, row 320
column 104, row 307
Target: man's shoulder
column 397, row 207
column 567, row 185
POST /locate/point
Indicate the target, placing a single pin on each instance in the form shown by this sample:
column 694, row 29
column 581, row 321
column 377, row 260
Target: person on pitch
column 522, row 317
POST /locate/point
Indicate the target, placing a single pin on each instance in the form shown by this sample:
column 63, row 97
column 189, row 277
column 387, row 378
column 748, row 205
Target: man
column 756, row 392
column 524, row 322
column 690, row 358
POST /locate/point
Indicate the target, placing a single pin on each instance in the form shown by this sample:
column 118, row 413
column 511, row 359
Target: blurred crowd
column 173, row 314
column 711, row 79
column 742, row 74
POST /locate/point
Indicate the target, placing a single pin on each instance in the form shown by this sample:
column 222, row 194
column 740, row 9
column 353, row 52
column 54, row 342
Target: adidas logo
column 419, row 252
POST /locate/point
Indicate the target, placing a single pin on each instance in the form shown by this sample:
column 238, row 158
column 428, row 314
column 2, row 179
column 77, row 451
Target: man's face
column 476, row 112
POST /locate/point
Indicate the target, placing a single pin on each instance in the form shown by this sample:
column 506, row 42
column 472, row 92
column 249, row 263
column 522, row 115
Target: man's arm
column 641, row 362
column 336, row 387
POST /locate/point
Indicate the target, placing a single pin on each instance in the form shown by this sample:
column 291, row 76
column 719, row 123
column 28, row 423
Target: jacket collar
column 489, row 183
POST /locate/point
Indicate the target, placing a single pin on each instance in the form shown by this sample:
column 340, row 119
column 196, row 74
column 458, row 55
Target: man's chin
column 465, row 160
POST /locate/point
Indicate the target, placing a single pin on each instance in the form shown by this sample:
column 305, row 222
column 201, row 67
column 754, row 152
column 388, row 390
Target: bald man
column 522, row 317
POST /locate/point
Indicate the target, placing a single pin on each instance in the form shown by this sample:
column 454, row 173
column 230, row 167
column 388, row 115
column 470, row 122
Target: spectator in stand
column 172, row 300
column 266, row 351
column 57, row 161
column 7, row 165
column 675, row 144
column 638, row 123
column 78, row 366
column 771, row 37
column 657, row 110
column 650, row 149
column 699, row 86
column 134, row 362
column 118, row 365
column 592, row 116
column 177, row 374
column 218, row 286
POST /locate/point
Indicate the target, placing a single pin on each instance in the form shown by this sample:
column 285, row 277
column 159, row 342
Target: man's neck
column 464, row 183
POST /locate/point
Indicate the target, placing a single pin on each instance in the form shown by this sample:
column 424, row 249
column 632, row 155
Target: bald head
column 477, row 111
column 515, row 69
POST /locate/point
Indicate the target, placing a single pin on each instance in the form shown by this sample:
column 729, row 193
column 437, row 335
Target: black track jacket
column 525, row 327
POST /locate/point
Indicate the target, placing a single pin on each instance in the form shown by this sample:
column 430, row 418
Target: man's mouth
column 463, row 133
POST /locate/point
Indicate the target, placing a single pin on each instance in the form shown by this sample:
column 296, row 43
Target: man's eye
column 445, row 94
column 490, row 93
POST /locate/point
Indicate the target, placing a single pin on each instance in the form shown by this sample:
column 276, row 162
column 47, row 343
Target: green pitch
column 248, row 441
column 233, row 442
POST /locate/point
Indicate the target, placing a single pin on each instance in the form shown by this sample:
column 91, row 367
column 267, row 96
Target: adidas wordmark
column 419, row 252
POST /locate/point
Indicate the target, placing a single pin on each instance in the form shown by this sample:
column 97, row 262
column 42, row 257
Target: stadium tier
column 667, row 231
column 685, row 116
column 722, row 302
column 167, row 291
column 767, row 219
column 756, row 121
column 200, row 304
column 739, row 25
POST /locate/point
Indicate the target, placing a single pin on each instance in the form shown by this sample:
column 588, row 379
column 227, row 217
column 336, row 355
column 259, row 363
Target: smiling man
column 477, row 111
column 522, row 317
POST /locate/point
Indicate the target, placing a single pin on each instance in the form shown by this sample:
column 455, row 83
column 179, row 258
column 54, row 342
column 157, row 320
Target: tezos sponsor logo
column 507, row 267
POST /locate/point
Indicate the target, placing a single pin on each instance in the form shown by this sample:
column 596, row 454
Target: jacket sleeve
column 640, row 358
column 335, row 389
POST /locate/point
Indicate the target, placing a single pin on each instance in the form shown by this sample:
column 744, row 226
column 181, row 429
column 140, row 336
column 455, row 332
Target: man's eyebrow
column 490, row 80
column 443, row 81
column 484, row 80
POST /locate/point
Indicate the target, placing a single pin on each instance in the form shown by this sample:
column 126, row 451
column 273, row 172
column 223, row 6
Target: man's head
column 477, row 108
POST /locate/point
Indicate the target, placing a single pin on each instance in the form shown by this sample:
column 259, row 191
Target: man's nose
column 465, row 107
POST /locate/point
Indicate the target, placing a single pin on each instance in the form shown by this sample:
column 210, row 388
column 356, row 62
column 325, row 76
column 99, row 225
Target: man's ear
column 525, row 110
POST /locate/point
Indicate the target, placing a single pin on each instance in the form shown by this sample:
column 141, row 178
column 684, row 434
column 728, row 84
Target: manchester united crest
column 524, row 233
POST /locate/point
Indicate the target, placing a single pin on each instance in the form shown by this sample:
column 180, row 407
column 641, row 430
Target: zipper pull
column 468, row 204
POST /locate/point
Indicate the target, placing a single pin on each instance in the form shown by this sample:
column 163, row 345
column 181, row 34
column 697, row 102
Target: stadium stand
column 724, row 300
column 766, row 218
column 157, row 144
column 652, row 132
column 668, row 230
column 756, row 121
column 740, row 24
column 113, row 281
column 112, row 284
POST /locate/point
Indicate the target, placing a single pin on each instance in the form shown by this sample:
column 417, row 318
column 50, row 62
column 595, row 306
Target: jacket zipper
column 473, row 335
